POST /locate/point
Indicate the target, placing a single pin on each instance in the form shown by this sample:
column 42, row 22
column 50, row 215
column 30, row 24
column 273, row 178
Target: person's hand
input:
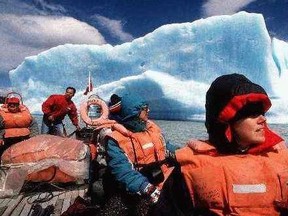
column 171, row 158
column 152, row 192
column 154, row 196
column 1, row 142
column 51, row 118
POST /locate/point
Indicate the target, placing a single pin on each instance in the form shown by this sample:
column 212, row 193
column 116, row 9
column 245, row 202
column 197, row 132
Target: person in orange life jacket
column 128, row 155
column 234, row 172
column 55, row 108
column 16, row 123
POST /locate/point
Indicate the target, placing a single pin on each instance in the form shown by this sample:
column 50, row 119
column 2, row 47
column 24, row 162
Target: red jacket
column 58, row 107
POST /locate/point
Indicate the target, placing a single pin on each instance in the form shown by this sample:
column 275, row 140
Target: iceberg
column 171, row 67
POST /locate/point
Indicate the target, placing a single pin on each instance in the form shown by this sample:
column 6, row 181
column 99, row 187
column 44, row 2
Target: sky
column 29, row 27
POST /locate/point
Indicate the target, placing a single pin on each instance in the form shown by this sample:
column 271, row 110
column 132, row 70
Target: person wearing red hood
column 16, row 123
column 55, row 108
column 242, row 168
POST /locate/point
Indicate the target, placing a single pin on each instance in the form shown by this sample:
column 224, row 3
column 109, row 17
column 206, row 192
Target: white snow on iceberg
column 171, row 67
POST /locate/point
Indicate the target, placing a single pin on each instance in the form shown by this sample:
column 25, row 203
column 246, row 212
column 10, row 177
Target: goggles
column 145, row 108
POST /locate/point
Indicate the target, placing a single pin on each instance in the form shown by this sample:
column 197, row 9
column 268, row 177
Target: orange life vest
column 143, row 147
column 16, row 124
column 235, row 185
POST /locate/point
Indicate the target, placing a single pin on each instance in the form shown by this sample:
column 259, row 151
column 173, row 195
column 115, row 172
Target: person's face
column 69, row 94
column 144, row 113
column 13, row 107
column 250, row 130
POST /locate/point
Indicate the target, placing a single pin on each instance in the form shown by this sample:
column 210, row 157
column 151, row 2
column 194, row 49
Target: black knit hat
column 225, row 98
column 115, row 103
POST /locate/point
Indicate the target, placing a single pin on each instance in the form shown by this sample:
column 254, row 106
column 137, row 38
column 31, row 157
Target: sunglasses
column 145, row 108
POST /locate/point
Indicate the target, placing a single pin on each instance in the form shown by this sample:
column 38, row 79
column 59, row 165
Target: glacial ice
column 171, row 67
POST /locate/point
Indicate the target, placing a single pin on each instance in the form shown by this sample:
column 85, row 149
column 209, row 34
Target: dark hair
column 69, row 87
column 250, row 109
column 114, row 99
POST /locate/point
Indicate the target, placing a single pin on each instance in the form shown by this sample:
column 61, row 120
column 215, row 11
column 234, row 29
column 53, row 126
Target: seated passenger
column 16, row 123
column 137, row 160
column 242, row 168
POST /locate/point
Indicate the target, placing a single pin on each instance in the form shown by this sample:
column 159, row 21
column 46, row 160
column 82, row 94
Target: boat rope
column 48, row 196
column 38, row 210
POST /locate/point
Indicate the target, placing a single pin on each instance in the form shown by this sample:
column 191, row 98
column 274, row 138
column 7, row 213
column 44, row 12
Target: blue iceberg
column 171, row 67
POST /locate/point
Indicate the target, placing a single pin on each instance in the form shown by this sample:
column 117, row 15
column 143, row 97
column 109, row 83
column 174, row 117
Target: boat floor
column 58, row 197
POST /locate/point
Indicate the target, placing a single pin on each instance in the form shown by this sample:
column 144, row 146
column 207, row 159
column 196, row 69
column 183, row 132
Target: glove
column 1, row 142
column 152, row 192
column 171, row 158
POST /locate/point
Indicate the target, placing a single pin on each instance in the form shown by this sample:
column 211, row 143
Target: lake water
column 178, row 132
column 181, row 131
